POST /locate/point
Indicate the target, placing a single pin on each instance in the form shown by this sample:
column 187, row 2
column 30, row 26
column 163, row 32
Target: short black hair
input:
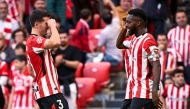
column 181, row 10
column 163, row 34
column 56, row 17
column 22, row 46
column 176, row 71
column 21, row 58
column 107, row 16
column 19, row 30
column 61, row 31
column 37, row 16
column 85, row 13
column 139, row 13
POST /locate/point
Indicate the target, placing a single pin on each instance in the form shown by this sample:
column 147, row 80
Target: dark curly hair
column 139, row 13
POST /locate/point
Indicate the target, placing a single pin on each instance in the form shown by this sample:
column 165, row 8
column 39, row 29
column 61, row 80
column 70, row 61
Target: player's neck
column 183, row 26
column 140, row 32
column 178, row 85
column 35, row 32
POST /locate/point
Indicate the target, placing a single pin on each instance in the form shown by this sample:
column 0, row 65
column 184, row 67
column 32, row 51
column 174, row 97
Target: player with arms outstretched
column 40, row 63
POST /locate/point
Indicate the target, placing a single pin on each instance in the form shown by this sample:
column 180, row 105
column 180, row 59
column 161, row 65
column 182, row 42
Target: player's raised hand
column 124, row 22
column 156, row 100
column 51, row 23
column 106, row 2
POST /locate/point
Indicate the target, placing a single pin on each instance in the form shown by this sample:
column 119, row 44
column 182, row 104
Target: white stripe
column 44, row 86
column 37, row 50
column 49, row 71
column 37, row 94
column 24, row 100
column 186, row 47
column 169, row 95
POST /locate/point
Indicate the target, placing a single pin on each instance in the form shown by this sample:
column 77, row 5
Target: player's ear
column 36, row 24
column 138, row 23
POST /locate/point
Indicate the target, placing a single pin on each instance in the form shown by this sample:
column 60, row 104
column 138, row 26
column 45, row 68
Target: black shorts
column 56, row 101
column 141, row 103
column 126, row 104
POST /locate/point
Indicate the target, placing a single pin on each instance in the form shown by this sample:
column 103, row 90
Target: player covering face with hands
column 144, row 64
column 40, row 63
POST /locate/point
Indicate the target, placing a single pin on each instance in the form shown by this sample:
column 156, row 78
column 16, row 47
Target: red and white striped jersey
column 169, row 60
column 179, row 39
column 177, row 98
column 12, row 71
column 23, row 94
column 143, row 51
column 40, row 59
column 12, row 8
column 3, row 68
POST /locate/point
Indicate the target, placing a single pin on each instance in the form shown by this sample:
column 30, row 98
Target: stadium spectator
column 108, row 36
column 20, row 49
column 67, row 59
column 168, row 81
column 3, row 73
column 80, row 37
column 6, row 53
column 125, row 6
column 38, row 5
column 19, row 36
column 177, row 95
column 169, row 57
column 58, row 7
column 21, row 96
column 8, row 24
column 157, row 14
column 179, row 39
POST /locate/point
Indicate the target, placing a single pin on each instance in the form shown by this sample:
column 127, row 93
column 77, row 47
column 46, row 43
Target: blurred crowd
column 76, row 21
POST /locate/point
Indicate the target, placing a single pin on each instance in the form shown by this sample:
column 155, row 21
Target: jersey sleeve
column 151, row 50
column 37, row 44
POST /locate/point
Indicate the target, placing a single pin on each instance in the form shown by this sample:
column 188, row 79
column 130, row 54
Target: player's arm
column 122, row 35
column 31, row 71
column 11, row 98
column 155, row 62
column 54, row 40
column 113, row 8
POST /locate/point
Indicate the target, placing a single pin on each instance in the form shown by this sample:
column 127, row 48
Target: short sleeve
column 151, row 50
column 37, row 44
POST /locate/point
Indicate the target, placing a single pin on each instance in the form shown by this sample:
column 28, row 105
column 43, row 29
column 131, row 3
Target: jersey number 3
column 60, row 104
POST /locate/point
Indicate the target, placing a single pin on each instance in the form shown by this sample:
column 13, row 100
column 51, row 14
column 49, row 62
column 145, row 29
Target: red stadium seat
column 78, row 72
column 102, row 24
column 86, row 89
column 99, row 71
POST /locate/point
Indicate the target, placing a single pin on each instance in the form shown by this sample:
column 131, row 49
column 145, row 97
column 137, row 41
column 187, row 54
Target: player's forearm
column 121, row 38
column 55, row 35
column 156, row 75
column 10, row 99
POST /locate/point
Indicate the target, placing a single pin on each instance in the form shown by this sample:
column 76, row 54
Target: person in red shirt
column 21, row 96
column 40, row 62
column 80, row 37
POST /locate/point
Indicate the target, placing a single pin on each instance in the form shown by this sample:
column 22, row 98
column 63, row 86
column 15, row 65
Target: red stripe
column 183, row 44
column 183, row 103
column 7, row 30
column 27, row 96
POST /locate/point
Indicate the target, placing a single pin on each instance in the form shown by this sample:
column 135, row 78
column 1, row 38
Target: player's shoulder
column 34, row 39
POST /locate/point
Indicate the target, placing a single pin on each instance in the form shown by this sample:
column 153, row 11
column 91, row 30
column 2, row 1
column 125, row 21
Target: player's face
column 43, row 26
column 168, row 82
column 179, row 78
column 181, row 19
column 64, row 39
column 162, row 41
column 131, row 25
column 19, row 64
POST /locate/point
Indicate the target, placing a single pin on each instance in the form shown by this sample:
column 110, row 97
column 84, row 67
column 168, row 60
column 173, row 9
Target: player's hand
column 124, row 22
column 106, row 2
column 156, row 100
column 51, row 23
